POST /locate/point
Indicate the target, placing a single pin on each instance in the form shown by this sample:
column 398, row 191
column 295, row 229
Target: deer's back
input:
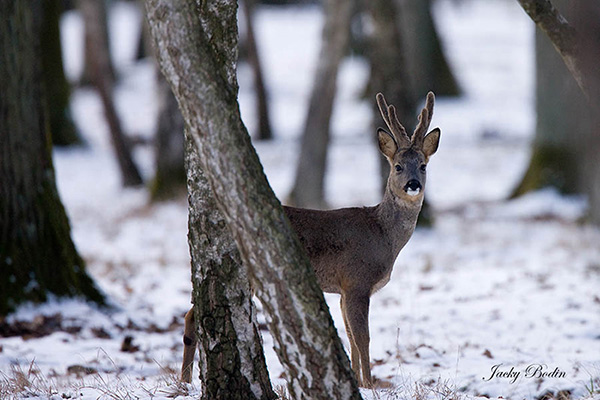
column 347, row 247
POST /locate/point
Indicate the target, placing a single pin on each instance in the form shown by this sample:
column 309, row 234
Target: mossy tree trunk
column 587, row 19
column 564, row 119
column 193, row 45
column 169, row 179
column 309, row 184
column 56, row 87
column 37, row 255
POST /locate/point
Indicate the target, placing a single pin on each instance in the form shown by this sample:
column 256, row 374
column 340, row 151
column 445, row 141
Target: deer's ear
column 431, row 142
column 387, row 144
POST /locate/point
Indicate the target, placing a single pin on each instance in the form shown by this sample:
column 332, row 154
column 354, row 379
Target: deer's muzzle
column 413, row 187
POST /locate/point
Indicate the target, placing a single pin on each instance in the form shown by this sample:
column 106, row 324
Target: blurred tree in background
column 566, row 147
column 407, row 61
column 587, row 19
column 389, row 69
column 563, row 118
column 427, row 65
column 37, row 255
column 56, row 87
column 169, row 179
column 96, row 37
column 393, row 58
column 309, row 184
column 262, row 107
column 144, row 45
column 99, row 71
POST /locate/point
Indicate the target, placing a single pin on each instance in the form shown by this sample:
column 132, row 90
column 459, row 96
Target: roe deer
column 353, row 250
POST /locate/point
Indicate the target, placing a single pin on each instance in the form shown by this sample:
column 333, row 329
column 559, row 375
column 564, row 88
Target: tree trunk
column 100, row 74
column 232, row 363
column 55, row 84
column 564, row 38
column 389, row 68
column 309, row 185
column 563, row 120
column 144, row 44
column 587, row 21
column 429, row 69
column 169, row 180
column 37, row 255
column 390, row 76
column 262, row 108
column 197, row 47
column 96, row 35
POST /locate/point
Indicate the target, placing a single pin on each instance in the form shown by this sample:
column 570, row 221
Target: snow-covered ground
column 495, row 286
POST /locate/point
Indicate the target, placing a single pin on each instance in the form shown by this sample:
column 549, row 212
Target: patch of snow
column 543, row 203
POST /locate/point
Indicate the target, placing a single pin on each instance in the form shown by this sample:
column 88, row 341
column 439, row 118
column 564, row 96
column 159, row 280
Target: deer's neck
column 398, row 218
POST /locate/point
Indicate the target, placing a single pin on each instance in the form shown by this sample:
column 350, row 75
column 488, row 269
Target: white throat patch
column 412, row 192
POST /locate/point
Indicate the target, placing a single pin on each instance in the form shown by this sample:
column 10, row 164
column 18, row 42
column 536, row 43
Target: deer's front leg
column 354, row 353
column 357, row 318
column 189, row 347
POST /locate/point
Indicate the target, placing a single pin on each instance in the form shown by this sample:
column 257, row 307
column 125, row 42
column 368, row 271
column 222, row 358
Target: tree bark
column 192, row 43
column 169, row 180
column 232, row 363
column 262, row 107
column 101, row 76
column 55, row 84
column 309, row 185
column 37, row 255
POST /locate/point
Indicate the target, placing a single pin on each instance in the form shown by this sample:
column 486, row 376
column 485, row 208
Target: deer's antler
column 388, row 113
column 424, row 121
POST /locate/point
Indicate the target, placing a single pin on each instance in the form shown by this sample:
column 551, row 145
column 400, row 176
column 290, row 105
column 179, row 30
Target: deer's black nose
column 412, row 185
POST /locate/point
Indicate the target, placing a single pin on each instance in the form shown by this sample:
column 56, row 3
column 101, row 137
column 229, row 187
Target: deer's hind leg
column 356, row 317
column 189, row 347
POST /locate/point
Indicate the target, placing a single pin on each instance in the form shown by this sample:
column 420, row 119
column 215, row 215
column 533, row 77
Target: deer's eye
column 423, row 167
column 398, row 168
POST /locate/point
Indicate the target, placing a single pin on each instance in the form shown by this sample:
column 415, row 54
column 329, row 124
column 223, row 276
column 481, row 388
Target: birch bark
column 194, row 42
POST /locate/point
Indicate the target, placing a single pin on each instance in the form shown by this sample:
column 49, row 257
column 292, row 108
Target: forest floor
column 493, row 295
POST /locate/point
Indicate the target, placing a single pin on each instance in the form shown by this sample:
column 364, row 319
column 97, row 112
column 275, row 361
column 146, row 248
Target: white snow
column 494, row 282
